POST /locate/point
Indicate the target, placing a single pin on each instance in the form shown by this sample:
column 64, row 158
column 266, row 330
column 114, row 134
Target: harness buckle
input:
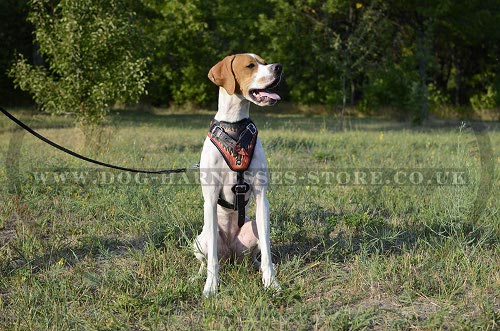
column 251, row 127
column 240, row 188
column 217, row 131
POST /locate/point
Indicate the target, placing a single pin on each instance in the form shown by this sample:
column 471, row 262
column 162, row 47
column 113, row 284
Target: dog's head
column 248, row 75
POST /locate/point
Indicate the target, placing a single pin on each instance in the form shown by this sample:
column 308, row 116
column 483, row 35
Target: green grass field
column 117, row 255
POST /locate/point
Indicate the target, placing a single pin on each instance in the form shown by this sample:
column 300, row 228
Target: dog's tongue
column 270, row 95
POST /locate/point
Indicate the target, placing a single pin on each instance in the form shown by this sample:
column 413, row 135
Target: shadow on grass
column 339, row 237
column 38, row 120
column 310, row 234
column 266, row 119
column 93, row 247
column 336, row 237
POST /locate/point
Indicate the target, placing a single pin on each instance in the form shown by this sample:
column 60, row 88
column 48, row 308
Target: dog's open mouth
column 266, row 96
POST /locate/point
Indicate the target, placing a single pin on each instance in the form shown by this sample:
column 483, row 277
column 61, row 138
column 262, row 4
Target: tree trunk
column 344, row 97
column 353, row 92
column 37, row 57
column 422, row 53
column 458, row 83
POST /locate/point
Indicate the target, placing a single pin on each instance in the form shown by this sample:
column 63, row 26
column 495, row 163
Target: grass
column 118, row 256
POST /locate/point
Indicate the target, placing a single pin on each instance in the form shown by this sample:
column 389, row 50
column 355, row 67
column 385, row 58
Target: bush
column 93, row 54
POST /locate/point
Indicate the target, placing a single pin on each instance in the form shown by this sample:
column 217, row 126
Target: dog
column 242, row 79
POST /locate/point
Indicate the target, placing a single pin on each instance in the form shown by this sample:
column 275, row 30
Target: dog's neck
column 232, row 108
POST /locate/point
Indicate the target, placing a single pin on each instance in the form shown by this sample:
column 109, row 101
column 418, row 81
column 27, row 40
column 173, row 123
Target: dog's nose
column 277, row 67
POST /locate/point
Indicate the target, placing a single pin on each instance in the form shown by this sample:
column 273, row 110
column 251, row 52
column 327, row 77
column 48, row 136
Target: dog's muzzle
column 265, row 96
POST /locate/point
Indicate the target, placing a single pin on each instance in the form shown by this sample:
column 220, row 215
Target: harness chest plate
column 235, row 141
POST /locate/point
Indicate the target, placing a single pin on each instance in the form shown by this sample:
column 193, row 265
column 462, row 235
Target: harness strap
column 240, row 189
column 222, row 202
column 226, row 204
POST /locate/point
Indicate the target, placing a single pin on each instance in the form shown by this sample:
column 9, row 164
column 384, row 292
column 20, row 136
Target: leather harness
column 236, row 142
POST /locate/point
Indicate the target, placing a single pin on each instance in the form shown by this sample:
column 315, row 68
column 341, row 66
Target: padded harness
column 236, row 142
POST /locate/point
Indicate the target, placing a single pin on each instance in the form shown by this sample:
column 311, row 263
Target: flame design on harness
column 237, row 148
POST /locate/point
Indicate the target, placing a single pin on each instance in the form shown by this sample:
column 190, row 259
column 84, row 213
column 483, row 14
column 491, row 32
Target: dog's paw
column 209, row 293
column 270, row 282
column 210, row 288
column 273, row 286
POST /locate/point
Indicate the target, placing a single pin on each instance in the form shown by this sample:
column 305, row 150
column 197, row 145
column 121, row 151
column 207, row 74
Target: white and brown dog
column 242, row 79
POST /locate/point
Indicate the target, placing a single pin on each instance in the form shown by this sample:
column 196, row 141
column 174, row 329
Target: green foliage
column 177, row 39
column 93, row 55
column 324, row 44
column 386, row 87
column 489, row 98
column 416, row 56
column 15, row 37
column 437, row 97
column 188, row 37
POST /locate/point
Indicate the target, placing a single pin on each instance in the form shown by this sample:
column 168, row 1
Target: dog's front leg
column 210, row 229
column 263, row 229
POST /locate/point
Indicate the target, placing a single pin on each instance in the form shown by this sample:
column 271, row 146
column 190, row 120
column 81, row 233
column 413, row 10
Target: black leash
column 70, row 152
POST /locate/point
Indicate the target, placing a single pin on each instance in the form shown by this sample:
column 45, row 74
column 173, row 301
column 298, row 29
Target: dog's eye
column 251, row 65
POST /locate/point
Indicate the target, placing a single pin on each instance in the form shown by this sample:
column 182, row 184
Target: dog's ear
column 222, row 74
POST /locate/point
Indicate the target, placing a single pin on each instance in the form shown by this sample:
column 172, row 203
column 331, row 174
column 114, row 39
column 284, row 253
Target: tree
column 93, row 55
column 467, row 46
column 187, row 37
column 181, row 54
column 355, row 30
column 452, row 46
column 408, row 56
column 298, row 37
column 327, row 44
column 15, row 37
